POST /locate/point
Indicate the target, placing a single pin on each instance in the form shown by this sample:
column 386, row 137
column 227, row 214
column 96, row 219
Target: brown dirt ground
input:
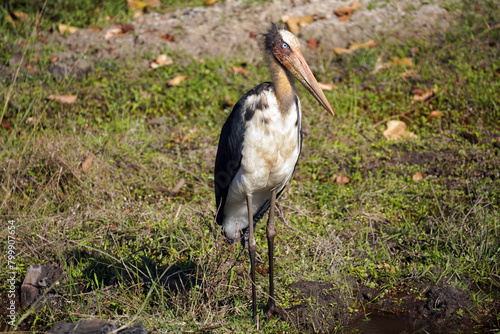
column 228, row 29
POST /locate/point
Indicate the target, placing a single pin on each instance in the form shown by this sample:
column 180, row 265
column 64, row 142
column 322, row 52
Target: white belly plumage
column 271, row 148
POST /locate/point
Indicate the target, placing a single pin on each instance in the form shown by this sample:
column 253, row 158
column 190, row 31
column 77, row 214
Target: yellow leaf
column 161, row 60
column 240, row 69
column 418, row 177
column 87, row 163
column 435, row 114
column 355, row 46
column 406, row 61
column 341, row 179
column 294, row 22
column 135, row 5
column 20, row 15
column 409, row 74
column 63, row 28
column 397, row 130
column 345, row 12
column 177, row 80
column 112, row 32
column 326, row 86
column 424, row 95
column 66, row 99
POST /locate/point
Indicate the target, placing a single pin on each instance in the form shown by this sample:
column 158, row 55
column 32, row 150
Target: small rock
column 38, row 278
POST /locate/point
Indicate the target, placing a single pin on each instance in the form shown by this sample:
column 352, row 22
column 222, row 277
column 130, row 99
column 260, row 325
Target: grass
column 131, row 251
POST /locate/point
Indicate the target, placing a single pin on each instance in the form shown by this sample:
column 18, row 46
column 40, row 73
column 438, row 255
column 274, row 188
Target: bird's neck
column 283, row 85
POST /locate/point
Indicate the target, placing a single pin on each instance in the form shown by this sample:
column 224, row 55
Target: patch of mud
column 228, row 29
column 321, row 309
column 441, row 163
column 432, row 309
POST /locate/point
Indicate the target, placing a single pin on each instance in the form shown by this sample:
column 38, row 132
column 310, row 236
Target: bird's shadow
column 104, row 270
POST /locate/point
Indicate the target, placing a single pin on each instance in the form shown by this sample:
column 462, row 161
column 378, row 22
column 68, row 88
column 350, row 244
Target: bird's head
column 285, row 48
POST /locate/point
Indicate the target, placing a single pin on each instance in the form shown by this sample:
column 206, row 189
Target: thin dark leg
column 271, row 233
column 252, row 249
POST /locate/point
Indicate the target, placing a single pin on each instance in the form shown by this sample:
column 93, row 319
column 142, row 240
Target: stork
column 259, row 147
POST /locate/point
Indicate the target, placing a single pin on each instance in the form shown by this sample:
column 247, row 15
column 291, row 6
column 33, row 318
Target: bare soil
column 231, row 29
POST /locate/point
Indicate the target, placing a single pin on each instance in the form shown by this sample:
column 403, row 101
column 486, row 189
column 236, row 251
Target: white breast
column 270, row 152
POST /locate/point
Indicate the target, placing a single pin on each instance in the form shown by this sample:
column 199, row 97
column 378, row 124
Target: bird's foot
column 271, row 309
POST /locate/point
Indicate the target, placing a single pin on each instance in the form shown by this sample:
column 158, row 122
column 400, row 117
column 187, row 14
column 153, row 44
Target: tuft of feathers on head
column 269, row 37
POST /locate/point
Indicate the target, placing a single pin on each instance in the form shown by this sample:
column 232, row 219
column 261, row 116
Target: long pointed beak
column 302, row 72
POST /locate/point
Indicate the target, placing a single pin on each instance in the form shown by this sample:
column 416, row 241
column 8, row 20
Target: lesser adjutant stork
column 259, row 147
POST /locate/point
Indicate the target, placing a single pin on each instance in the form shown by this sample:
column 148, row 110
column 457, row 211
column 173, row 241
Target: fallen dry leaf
column 406, row 61
column 31, row 69
column 262, row 269
column 435, row 114
column 312, row 43
column 326, row 86
column 341, row 179
column 87, row 163
column 418, row 177
column 6, row 125
column 177, row 187
column 153, row 3
column 422, row 96
column 239, row 69
column 136, row 5
column 414, row 51
column 210, row 2
column 111, row 32
column 126, row 28
column 161, row 60
column 22, row 16
column 63, row 28
column 355, row 46
column 177, row 80
column 397, row 130
column 66, row 99
column 295, row 22
column 168, row 37
column 344, row 13
column 409, row 74
column 144, row 93
column 418, row 91
column 228, row 101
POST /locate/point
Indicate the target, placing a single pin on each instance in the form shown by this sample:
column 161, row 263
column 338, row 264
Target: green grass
column 120, row 236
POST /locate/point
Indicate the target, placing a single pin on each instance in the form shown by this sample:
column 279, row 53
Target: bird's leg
column 271, row 233
column 252, row 249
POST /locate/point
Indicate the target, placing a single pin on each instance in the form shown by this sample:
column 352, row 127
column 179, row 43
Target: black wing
column 228, row 159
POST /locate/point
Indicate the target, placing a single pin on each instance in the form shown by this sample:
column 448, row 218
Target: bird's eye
column 284, row 46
